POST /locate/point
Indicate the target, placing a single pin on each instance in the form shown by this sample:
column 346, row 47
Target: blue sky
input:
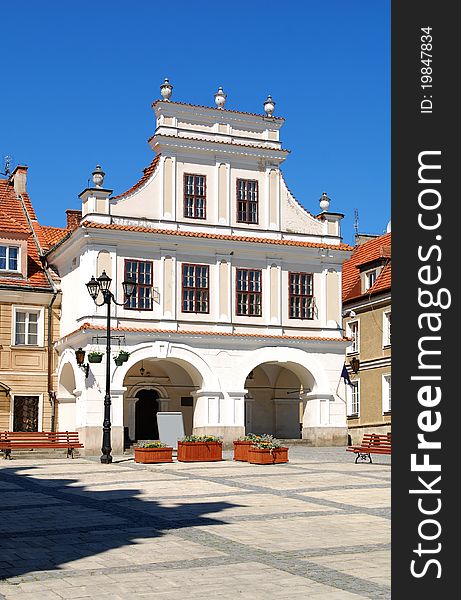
column 78, row 80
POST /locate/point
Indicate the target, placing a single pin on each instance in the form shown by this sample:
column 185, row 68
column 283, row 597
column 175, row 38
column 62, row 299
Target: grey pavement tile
column 84, row 530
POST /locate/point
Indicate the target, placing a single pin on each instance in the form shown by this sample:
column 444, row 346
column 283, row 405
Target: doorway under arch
column 273, row 403
column 146, row 409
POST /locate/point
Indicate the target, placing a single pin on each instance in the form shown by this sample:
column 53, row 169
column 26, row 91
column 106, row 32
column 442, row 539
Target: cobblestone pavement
column 315, row 528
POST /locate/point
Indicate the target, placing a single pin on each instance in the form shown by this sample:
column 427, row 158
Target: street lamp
column 96, row 286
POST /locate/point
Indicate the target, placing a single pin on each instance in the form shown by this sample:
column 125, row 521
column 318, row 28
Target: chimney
column 74, row 218
column 19, row 179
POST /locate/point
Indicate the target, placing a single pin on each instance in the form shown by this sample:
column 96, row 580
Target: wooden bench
column 31, row 440
column 372, row 443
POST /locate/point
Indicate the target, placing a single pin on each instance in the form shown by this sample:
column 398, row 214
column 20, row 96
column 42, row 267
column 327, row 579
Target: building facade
column 29, row 313
column 236, row 321
column 367, row 321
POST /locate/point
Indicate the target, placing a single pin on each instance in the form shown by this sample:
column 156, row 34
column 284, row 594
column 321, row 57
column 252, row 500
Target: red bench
column 372, row 443
column 31, row 440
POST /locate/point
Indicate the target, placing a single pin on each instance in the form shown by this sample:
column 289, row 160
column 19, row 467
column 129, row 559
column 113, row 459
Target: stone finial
column 269, row 106
column 324, row 202
column 165, row 89
column 220, row 98
column 98, row 176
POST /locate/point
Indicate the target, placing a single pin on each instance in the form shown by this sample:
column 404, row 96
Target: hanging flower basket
column 121, row 357
column 95, row 357
column 199, row 448
column 153, row 452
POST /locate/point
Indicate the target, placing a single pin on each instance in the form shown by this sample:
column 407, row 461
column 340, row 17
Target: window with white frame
column 9, row 258
column 354, row 399
column 370, row 279
column 27, row 326
column 353, row 333
column 387, row 328
column 386, row 394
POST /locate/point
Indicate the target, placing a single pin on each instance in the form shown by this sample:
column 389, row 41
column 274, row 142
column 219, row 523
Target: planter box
column 199, row 451
column 153, row 455
column 241, row 450
column 256, row 456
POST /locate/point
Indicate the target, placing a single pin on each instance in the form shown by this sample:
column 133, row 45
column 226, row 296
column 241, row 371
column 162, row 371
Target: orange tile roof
column 215, row 236
column 148, row 171
column 12, row 214
column 218, row 333
column 374, row 249
column 53, row 235
column 10, row 225
column 239, row 112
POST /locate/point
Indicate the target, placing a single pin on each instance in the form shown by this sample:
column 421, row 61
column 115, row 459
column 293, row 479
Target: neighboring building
column 367, row 320
column 237, row 318
column 29, row 313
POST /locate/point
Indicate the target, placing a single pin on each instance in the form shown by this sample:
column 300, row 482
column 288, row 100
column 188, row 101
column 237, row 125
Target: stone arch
column 274, row 401
column 310, row 373
column 187, row 358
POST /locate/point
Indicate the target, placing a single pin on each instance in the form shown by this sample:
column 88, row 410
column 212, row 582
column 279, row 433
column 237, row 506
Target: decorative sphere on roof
column 324, row 202
column 269, row 106
column 165, row 89
column 98, row 176
column 220, row 98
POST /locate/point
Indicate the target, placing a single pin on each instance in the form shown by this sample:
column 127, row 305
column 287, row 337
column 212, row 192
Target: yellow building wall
column 25, row 369
column 371, row 418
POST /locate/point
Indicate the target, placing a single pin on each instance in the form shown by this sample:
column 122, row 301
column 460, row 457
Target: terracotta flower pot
column 258, row 456
column 153, row 455
column 199, row 451
column 241, row 450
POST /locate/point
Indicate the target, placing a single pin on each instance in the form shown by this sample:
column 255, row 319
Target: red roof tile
column 13, row 219
column 148, row 171
column 374, row 249
column 218, row 333
column 53, row 235
column 215, row 236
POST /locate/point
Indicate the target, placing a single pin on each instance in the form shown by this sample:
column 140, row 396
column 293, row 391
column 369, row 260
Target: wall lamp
column 355, row 364
column 80, row 357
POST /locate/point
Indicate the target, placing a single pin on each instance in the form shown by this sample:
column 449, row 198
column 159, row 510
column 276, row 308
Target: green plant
column 267, row 442
column 124, row 353
column 151, row 444
column 251, row 437
column 202, row 438
column 94, row 354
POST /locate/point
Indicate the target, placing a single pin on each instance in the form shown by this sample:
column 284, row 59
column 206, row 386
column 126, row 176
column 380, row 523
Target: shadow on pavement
column 45, row 523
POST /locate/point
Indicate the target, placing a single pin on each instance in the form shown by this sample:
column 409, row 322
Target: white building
column 237, row 318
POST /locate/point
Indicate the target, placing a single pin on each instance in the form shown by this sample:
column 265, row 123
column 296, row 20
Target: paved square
column 317, row 527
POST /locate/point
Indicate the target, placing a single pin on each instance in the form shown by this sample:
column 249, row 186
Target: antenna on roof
column 7, row 163
column 356, row 221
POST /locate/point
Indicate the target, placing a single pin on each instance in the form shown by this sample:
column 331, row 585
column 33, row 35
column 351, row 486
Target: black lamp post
column 96, row 286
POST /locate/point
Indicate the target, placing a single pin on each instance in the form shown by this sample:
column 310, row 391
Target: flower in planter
column 251, row 437
column 151, row 444
column 267, row 442
column 95, row 357
column 202, row 438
